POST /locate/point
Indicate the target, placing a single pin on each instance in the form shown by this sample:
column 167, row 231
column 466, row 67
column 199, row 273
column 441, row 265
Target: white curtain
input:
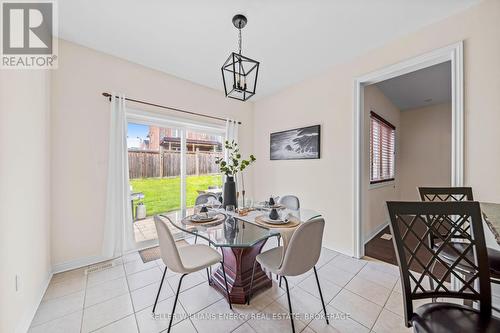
column 231, row 132
column 117, row 236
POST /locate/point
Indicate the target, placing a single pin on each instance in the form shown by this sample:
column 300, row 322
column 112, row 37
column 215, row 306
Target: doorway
column 408, row 136
column 453, row 56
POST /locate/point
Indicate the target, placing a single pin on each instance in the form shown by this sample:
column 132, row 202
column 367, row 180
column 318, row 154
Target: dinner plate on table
column 200, row 218
column 264, row 206
column 276, row 222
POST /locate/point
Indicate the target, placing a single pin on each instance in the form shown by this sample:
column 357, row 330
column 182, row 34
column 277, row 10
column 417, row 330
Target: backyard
column 163, row 194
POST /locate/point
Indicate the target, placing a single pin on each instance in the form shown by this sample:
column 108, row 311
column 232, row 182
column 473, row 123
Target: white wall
column 327, row 99
column 374, row 210
column 80, row 127
column 24, row 195
column 425, row 149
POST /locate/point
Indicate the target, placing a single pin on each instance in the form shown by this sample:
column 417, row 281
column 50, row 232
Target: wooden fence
column 146, row 164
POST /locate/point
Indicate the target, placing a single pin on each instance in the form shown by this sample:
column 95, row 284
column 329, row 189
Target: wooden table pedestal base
column 238, row 263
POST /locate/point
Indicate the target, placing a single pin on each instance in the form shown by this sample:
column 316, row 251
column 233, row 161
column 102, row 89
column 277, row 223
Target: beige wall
column 80, row 126
column 327, row 99
column 424, row 149
column 374, row 211
column 24, row 195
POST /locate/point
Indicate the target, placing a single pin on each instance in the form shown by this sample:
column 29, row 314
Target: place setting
column 272, row 203
column 269, row 213
column 277, row 219
column 205, row 216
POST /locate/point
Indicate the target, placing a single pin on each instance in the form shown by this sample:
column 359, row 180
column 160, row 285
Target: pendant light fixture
column 239, row 73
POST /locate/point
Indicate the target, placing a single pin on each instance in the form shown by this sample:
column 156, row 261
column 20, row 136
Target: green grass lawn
column 163, row 194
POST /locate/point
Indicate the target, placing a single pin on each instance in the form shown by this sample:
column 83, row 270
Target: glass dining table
column 241, row 239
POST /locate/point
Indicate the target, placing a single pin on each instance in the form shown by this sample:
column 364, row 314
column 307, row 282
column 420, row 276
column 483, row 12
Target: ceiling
column 293, row 39
column 425, row 87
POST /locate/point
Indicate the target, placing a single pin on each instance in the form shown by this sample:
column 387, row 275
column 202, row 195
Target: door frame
column 453, row 53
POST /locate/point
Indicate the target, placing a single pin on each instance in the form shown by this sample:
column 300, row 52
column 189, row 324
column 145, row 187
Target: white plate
column 263, row 206
column 277, row 222
column 197, row 218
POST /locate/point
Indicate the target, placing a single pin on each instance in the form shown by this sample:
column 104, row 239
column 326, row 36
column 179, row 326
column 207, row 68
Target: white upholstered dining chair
column 184, row 260
column 290, row 202
column 301, row 254
column 204, row 198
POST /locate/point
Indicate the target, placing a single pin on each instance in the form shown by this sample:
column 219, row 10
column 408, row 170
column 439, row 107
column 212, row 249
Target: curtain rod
column 108, row 95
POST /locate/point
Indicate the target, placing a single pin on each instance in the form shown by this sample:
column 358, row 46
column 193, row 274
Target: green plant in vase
column 230, row 168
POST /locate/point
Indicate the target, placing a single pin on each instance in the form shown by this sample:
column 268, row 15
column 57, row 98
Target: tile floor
column 120, row 299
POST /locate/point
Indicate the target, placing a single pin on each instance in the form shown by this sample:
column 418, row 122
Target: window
column 382, row 147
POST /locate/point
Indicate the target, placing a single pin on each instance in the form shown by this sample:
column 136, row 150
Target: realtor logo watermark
column 28, row 30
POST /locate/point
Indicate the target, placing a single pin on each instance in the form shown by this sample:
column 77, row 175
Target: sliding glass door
column 170, row 164
column 202, row 174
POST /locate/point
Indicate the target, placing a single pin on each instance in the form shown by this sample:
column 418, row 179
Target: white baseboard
column 374, row 232
column 77, row 263
column 25, row 322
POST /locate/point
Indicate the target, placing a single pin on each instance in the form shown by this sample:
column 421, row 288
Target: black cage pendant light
column 239, row 73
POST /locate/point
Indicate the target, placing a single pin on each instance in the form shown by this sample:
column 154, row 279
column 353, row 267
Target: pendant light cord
column 239, row 61
column 239, row 38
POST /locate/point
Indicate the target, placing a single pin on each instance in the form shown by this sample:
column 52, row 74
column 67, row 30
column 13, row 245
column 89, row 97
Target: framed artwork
column 296, row 144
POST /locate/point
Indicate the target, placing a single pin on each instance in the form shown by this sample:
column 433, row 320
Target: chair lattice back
column 411, row 224
column 445, row 194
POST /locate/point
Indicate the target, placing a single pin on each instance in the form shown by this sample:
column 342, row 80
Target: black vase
column 230, row 192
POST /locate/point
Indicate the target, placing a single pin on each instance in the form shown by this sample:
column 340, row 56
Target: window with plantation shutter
column 382, row 149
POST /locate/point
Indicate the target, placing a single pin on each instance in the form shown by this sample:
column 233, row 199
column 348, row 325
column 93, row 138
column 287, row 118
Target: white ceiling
column 425, row 87
column 293, row 39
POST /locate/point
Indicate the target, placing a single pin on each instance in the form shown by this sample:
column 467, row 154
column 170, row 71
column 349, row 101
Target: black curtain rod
column 108, row 95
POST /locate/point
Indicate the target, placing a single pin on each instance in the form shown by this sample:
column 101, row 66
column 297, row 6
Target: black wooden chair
column 411, row 246
column 449, row 252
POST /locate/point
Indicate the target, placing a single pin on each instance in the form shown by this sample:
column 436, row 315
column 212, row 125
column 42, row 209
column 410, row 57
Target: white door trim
column 453, row 53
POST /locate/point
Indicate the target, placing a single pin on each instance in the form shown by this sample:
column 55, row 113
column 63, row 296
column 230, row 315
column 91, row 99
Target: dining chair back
column 168, row 249
column 304, row 248
column 445, row 193
column 300, row 256
column 290, row 202
column 444, row 227
column 186, row 259
column 458, row 194
column 204, row 198
column 411, row 246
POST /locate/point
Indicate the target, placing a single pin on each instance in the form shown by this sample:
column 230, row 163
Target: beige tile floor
column 361, row 296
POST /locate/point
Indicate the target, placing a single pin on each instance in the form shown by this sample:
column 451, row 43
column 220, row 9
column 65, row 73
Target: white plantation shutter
column 382, row 149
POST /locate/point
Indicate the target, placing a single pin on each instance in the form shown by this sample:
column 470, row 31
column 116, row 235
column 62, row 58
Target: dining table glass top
column 233, row 230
